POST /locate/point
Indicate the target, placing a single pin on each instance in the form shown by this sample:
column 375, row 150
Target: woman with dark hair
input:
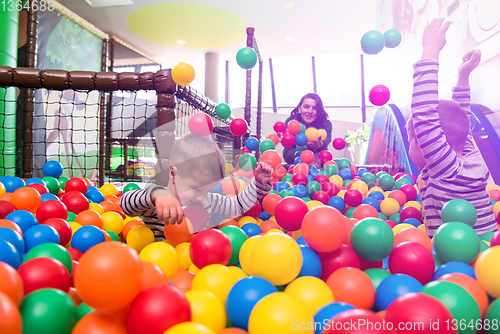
column 311, row 113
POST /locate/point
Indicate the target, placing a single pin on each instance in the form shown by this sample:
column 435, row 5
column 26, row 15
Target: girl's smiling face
column 308, row 111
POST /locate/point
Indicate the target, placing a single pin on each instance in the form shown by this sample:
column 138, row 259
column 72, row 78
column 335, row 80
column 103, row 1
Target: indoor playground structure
column 335, row 245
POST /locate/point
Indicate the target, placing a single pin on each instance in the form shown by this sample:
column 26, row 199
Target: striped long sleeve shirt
column 139, row 203
column 446, row 176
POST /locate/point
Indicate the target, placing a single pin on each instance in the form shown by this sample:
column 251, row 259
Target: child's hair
column 454, row 120
column 199, row 158
column 321, row 114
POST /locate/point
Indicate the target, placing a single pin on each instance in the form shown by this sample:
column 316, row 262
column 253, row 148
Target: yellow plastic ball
column 112, row 221
column 96, row 207
column 243, row 185
column 238, row 272
column 313, row 292
column 277, row 258
column 246, row 254
column 182, row 251
column 245, row 220
column 280, row 313
column 341, row 193
column 386, row 193
column 189, row 327
column 289, row 183
column 108, row 189
column 274, row 230
column 413, row 204
column 389, row 206
column 361, row 186
column 161, row 254
column 496, row 208
column 216, row 278
column 127, row 219
column 2, row 189
column 139, row 237
column 400, row 227
column 423, row 228
column 258, row 221
column 337, row 180
column 194, row 269
column 228, row 168
column 372, row 189
column 323, row 134
column 416, row 188
column 492, row 186
column 487, row 243
column 183, row 74
column 272, row 218
column 313, row 204
column 311, row 134
column 206, row 309
column 74, row 226
column 488, row 271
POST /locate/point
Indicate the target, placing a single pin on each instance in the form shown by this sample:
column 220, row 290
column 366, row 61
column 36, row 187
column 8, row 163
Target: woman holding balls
column 310, row 113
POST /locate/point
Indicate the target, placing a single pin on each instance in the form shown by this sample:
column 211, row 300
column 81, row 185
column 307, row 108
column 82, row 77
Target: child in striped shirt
column 196, row 167
column 440, row 140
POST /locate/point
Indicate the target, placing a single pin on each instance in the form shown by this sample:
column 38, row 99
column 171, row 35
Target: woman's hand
column 315, row 144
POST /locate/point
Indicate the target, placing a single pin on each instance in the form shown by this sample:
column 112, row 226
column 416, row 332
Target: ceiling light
column 290, row 39
column 181, row 42
column 108, row 3
column 288, row 4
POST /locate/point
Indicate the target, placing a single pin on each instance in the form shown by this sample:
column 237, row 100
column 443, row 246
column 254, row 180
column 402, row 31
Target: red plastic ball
column 301, row 167
column 254, row 211
column 330, row 188
column 495, row 239
column 324, row 229
column 365, row 264
column 290, row 169
column 409, row 191
column 279, row 172
column 307, row 156
column 412, row 259
column 353, row 197
column 75, row 254
column 76, row 184
column 357, row 322
column 6, row 207
column 156, row 309
column 40, row 188
column 494, row 194
column 321, row 196
column 288, row 140
column 398, row 175
column 344, row 256
column 299, row 178
column 274, row 138
column 62, row 227
column 410, row 212
column 279, row 127
column 76, row 202
column 51, row 209
column 420, row 308
column 271, row 157
column 238, row 127
column 338, row 143
column 289, row 213
column 325, row 156
column 245, row 150
column 399, row 196
column 44, row 272
column 365, row 211
column 210, row 247
column 201, row 124
column 294, row 127
column 379, row 95
column 322, row 178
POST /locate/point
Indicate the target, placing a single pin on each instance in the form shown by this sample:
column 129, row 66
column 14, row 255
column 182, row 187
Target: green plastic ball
column 48, row 311
column 401, row 182
column 395, row 218
column 306, row 199
column 265, row 145
column 456, row 241
column 71, row 216
column 223, row 111
column 392, row 38
column 491, row 322
column 379, row 174
column 486, row 236
column 247, row 162
column 372, row 42
column 372, row 239
column 62, row 181
column 237, row 237
column 369, row 178
column 312, row 187
column 130, row 186
column 437, row 261
column 484, row 246
column 382, row 216
column 346, row 182
column 331, row 170
column 459, row 210
column 272, row 191
column 386, row 182
column 461, row 304
column 82, row 310
column 344, row 163
column 492, row 201
column 350, row 212
column 246, row 58
column 302, row 128
column 287, row 177
column 53, row 251
column 300, row 148
column 377, row 275
column 114, row 236
column 52, row 184
column 286, row 193
column 336, row 160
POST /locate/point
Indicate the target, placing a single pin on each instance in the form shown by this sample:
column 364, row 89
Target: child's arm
column 167, row 207
column 258, row 188
column 461, row 93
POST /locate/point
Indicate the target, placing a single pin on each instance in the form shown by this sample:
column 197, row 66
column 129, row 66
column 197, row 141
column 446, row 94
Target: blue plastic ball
column 34, row 180
column 95, row 196
column 372, row 42
column 217, row 189
column 299, row 190
column 372, row 201
column 455, row 267
column 327, row 312
column 282, row 185
column 12, row 183
column 394, row 286
column 86, row 237
column 23, row 218
column 337, row 202
column 48, row 196
column 345, row 174
column 40, row 234
column 412, row 181
column 377, row 195
column 89, row 188
column 392, row 38
column 243, row 296
column 251, row 229
column 412, row 221
column 301, row 241
column 52, row 168
column 310, row 178
column 300, row 139
column 13, row 237
column 313, row 171
column 9, row 254
column 252, row 144
column 297, row 161
column 311, row 264
column 361, row 171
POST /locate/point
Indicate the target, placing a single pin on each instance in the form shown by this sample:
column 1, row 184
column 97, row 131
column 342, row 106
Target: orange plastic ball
column 11, row 283
column 365, row 211
column 271, row 157
column 301, row 168
column 269, row 225
column 89, row 217
column 231, row 186
column 26, row 198
column 279, row 172
column 269, row 203
column 182, row 280
column 12, row 225
column 108, row 206
column 413, row 235
column 352, row 286
column 152, row 275
column 307, row 156
column 324, row 229
column 100, row 322
column 472, row 286
column 274, row 138
column 311, row 134
column 10, row 317
column 130, row 225
column 178, row 233
column 109, row 276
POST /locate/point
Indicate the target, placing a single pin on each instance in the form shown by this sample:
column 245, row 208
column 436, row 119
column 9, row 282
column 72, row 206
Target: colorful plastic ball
column 352, row 286
column 288, row 140
column 345, row 174
column 252, row 144
column 386, row 182
column 377, row 275
column 487, row 271
column 300, row 139
column 108, row 189
column 247, row 162
column 243, row 296
column 52, row 168
column 379, row 95
column 294, row 127
column 86, row 237
column 372, row 42
column 412, row 259
column 201, row 124
column 279, row 127
column 392, row 38
column 183, row 74
column 44, row 272
column 410, row 212
column 393, row 287
column 12, row 183
column 6, row 208
column 11, row 283
column 48, row 311
column 14, row 237
column 215, row 278
column 99, row 322
column 238, row 127
column 246, row 58
column 311, row 134
column 52, row 184
column 413, row 235
column 311, row 264
column 372, row 239
column 289, row 213
column 344, row 256
column 26, row 198
column 456, row 242
column 223, row 111
column 10, row 317
column 163, row 255
column 298, row 179
column 95, row 196
column 458, row 300
column 76, row 202
column 327, row 312
column 51, row 250
column 311, row 291
column 353, row 197
column 337, row 202
column 278, row 313
column 9, row 254
column 267, row 145
column 139, row 237
column 389, row 206
column 270, row 202
column 459, row 210
column 338, row 143
column 324, row 229
column 89, row 217
column 40, row 234
column 399, row 196
column 277, row 258
column 157, row 309
column 76, row 184
column 427, row 311
column 307, row 156
column 236, row 237
column 472, row 286
column 321, row 196
column 51, row 209
column 207, row 310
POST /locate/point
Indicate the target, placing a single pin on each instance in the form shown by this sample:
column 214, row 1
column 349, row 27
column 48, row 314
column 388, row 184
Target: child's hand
column 470, row 60
column 263, row 172
column 315, row 143
column 167, row 207
column 434, row 38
